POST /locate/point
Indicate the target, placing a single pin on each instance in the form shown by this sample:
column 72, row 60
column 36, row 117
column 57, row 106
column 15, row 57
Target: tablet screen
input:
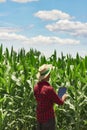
column 61, row 91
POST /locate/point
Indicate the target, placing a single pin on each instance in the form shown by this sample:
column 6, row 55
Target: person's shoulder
column 37, row 85
column 48, row 88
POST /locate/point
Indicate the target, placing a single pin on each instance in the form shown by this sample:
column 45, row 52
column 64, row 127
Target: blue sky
column 45, row 25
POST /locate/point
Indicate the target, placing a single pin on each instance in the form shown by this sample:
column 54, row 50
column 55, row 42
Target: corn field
column 17, row 78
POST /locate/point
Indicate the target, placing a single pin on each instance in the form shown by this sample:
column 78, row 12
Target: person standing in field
column 46, row 96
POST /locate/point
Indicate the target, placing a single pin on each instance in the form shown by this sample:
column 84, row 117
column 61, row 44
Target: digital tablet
column 61, row 91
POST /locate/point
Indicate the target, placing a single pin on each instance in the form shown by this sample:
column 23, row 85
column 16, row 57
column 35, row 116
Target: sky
column 45, row 25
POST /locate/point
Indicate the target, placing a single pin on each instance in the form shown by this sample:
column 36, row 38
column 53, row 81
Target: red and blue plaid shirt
column 45, row 97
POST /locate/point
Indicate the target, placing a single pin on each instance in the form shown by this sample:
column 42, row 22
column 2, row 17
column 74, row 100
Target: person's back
column 44, row 103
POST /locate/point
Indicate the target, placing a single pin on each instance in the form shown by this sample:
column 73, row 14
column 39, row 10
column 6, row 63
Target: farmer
column 45, row 98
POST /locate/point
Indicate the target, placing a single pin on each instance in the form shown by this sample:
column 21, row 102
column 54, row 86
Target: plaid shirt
column 45, row 97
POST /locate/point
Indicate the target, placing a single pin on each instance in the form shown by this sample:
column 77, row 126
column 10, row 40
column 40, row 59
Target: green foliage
column 17, row 78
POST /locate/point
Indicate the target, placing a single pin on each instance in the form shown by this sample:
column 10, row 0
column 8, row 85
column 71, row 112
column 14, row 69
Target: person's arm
column 54, row 97
column 64, row 97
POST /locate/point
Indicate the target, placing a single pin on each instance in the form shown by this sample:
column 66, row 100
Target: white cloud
column 53, row 40
column 35, row 40
column 12, row 36
column 9, row 29
column 2, row 0
column 52, row 15
column 15, row 29
column 71, row 27
column 23, row 1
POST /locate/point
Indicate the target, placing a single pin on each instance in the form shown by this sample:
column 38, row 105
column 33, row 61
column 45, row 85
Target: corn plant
column 17, row 78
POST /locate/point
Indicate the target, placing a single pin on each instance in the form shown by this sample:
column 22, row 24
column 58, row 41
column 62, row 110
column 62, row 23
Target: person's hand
column 64, row 97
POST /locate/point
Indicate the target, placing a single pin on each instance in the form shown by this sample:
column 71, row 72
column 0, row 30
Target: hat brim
column 41, row 77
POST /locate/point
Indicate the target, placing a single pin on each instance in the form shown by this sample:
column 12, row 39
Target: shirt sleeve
column 54, row 97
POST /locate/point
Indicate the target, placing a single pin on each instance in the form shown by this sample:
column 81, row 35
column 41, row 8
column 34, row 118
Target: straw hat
column 44, row 71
